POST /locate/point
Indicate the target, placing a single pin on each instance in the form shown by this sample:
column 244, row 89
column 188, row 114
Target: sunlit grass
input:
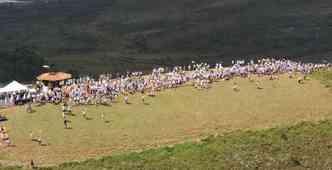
column 173, row 116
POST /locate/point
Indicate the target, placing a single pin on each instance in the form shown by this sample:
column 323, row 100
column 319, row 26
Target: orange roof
column 54, row 76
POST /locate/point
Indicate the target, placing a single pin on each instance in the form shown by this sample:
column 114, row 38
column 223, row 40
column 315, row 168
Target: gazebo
column 53, row 78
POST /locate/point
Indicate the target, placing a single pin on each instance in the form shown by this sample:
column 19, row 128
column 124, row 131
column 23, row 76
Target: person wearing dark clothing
column 32, row 165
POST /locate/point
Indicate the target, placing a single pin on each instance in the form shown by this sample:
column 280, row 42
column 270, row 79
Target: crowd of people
column 107, row 87
column 86, row 90
column 104, row 89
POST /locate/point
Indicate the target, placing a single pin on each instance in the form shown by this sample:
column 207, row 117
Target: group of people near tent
column 104, row 89
column 15, row 93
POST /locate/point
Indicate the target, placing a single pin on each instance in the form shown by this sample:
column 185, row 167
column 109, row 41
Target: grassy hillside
column 114, row 35
column 173, row 116
column 304, row 146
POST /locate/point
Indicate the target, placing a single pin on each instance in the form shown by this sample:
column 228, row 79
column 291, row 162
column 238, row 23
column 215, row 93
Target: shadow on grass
column 106, row 104
column 31, row 111
column 71, row 114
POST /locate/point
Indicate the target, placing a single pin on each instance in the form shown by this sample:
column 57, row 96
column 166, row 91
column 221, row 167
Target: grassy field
column 303, row 146
column 173, row 116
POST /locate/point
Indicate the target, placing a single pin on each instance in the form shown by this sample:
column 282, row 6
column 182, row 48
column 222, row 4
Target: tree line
column 20, row 63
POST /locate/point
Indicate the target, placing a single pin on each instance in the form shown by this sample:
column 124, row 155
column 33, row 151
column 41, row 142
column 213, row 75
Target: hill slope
column 303, row 146
column 101, row 35
column 171, row 117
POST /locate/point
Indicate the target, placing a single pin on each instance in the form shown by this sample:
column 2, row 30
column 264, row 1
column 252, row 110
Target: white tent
column 14, row 86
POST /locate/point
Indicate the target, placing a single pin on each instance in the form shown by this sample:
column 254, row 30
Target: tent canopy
column 54, row 76
column 14, row 86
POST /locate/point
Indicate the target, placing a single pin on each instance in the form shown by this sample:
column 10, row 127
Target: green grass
column 173, row 116
column 302, row 146
column 325, row 76
column 279, row 148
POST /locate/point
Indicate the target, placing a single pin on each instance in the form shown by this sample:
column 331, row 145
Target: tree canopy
column 21, row 63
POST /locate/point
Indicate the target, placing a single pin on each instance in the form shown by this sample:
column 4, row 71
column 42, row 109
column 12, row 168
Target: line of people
column 106, row 88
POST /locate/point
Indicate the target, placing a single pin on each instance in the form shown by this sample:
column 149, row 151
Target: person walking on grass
column 5, row 138
column 31, row 135
column 32, row 165
column 84, row 114
column 39, row 139
column 300, row 80
column 64, row 110
column 235, row 87
column 65, row 122
column 126, row 100
column 28, row 107
column 63, row 115
column 102, row 116
column 258, row 85
column 143, row 98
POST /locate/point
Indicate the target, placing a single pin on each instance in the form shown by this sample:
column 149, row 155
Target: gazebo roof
column 54, row 76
